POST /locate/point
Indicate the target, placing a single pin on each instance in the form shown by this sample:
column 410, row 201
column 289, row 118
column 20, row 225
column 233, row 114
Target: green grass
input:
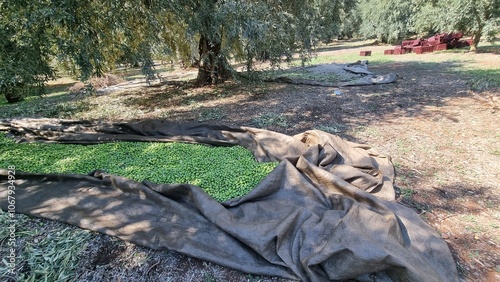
column 333, row 128
column 50, row 105
column 304, row 74
column 44, row 258
column 407, row 193
column 223, row 172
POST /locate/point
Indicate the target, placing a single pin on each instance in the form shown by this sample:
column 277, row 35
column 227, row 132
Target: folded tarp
column 327, row 212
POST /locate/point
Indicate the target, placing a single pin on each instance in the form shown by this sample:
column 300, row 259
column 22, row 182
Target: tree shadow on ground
column 463, row 214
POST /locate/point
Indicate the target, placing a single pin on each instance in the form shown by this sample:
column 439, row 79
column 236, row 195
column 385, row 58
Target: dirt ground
column 443, row 136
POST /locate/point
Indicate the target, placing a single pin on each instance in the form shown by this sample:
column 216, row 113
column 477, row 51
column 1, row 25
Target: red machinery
column 437, row 42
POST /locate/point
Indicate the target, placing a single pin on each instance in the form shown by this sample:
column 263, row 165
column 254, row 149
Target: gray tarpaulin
column 327, row 212
column 339, row 75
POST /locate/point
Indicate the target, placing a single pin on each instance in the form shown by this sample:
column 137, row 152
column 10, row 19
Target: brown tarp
column 327, row 212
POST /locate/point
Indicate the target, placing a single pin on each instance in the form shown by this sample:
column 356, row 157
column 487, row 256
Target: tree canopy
column 90, row 37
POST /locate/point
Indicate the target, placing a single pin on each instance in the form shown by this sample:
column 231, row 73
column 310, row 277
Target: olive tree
column 89, row 37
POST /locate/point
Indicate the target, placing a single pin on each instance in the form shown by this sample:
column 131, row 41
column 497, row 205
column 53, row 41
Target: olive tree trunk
column 213, row 67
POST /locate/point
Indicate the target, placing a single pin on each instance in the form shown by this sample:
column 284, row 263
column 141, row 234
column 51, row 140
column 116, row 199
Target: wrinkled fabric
column 354, row 74
column 326, row 213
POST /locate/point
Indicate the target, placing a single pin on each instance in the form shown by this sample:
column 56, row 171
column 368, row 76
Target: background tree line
column 89, row 37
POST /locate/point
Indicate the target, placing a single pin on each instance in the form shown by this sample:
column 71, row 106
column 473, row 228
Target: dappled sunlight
column 224, row 172
column 296, row 198
column 432, row 121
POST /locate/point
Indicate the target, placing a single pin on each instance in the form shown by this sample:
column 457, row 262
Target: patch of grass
column 59, row 87
column 479, row 77
column 211, row 114
column 270, row 119
column 303, row 74
column 7, row 219
column 3, row 101
column 166, row 114
column 39, row 107
column 397, row 165
column 470, row 218
column 370, row 131
column 376, row 58
column 474, row 254
column 70, row 108
column 404, row 177
column 223, row 172
column 403, row 146
column 489, row 47
column 252, row 278
column 56, row 104
column 474, row 226
column 440, row 178
column 483, row 79
column 209, row 277
column 422, row 208
column 193, row 104
column 109, row 107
